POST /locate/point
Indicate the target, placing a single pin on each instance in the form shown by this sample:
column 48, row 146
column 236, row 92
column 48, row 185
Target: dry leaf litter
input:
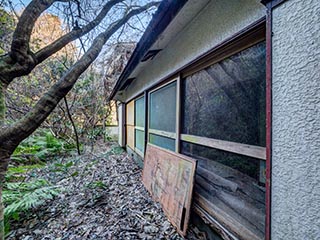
column 101, row 197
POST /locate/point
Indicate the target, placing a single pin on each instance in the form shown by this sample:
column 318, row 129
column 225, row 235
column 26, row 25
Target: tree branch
column 29, row 123
column 22, row 34
column 54, row 47
column 116, row 25
column 73, row 124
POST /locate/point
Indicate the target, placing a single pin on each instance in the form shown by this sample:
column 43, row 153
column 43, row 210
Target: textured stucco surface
column 217, row 21
column 296, row 121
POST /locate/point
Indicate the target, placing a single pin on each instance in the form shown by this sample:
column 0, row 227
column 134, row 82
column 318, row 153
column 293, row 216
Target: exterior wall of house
column 217, row 21
column 296, row 120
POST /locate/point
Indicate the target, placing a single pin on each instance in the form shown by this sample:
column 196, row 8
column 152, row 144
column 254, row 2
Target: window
column 226, row 101
column 130, row 124
column 162, row 116
column 221, row 123
column 164, row 142
column 139, row 125
column 135, row 122
column 223, row 126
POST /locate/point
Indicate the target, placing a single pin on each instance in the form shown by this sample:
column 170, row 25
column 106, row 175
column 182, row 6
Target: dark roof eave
column 273, row 3
column 165, row 13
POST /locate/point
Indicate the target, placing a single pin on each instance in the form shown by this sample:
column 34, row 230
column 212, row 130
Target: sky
column 131, row 32
column 19, row 4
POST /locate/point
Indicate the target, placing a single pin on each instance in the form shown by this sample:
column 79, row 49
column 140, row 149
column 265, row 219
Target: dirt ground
column 101, row 197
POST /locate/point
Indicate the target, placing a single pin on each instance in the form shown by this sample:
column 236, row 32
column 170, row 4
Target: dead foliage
column 102, row 197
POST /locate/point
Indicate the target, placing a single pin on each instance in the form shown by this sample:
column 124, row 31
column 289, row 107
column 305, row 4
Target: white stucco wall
column 296, row 121
column 218, row 20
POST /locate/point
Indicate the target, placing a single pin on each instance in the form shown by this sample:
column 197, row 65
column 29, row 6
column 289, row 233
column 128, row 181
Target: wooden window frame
column 135, row 127
column 172, row 135
column 233, row 46
column 247, row 38
column 127, row 124
column 227, row 146
column 140, row 153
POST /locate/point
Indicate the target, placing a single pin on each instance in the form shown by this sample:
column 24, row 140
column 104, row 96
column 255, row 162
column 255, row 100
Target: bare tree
column 20, row 61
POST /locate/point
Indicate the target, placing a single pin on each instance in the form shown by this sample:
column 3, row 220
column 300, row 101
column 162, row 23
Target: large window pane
column 163, row 108
column 227, row 100
column 139, row 135
column 139, row 112
column 163, row 142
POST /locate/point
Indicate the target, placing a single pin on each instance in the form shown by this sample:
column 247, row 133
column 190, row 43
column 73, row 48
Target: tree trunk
column 21, row 61
column 4, row 161
column 2, row 103
column 4, row 157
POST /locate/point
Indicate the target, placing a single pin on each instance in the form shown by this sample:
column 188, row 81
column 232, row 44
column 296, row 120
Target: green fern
column 42, row 145
column 21, row 197
column 15, row 174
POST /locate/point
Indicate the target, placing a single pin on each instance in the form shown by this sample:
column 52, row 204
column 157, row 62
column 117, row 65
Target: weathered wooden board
column 233, row 199
column 240, row 148
column 169, row 177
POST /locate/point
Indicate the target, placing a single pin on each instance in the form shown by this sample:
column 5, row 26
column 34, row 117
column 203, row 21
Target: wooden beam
column 163, row 133
column 236, row 226
column 210, row 176
column 239, row 148
column 139, row 128
column 141, row 154
column 221, row 230
column 146, row 119
column 178, row 114
column 268, row 181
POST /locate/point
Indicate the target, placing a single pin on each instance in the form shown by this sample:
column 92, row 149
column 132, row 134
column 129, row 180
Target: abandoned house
column 234, row 85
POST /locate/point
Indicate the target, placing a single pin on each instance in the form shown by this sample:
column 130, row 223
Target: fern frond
column 21, row 197
column 26, row 186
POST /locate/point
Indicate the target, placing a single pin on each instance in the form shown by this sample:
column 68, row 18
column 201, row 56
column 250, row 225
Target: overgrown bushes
column 42, row 146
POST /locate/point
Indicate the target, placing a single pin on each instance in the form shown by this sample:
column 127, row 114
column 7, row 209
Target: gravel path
column 102, row 197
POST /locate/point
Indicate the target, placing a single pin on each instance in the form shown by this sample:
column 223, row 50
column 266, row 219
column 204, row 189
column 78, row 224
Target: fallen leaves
column 104, row 200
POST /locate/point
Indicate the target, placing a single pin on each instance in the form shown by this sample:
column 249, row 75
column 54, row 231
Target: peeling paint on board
column 169, row 177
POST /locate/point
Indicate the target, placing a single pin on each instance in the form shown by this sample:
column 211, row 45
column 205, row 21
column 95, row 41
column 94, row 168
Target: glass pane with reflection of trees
column 226, row 101
column 139, row 140
column 139, row 112
column 163, row 108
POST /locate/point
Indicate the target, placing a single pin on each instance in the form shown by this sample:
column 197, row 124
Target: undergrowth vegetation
column 20, row 194
column 41, row 146
column 21, row 197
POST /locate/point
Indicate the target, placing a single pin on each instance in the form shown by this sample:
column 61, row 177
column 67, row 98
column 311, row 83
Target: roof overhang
column 170, row 18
